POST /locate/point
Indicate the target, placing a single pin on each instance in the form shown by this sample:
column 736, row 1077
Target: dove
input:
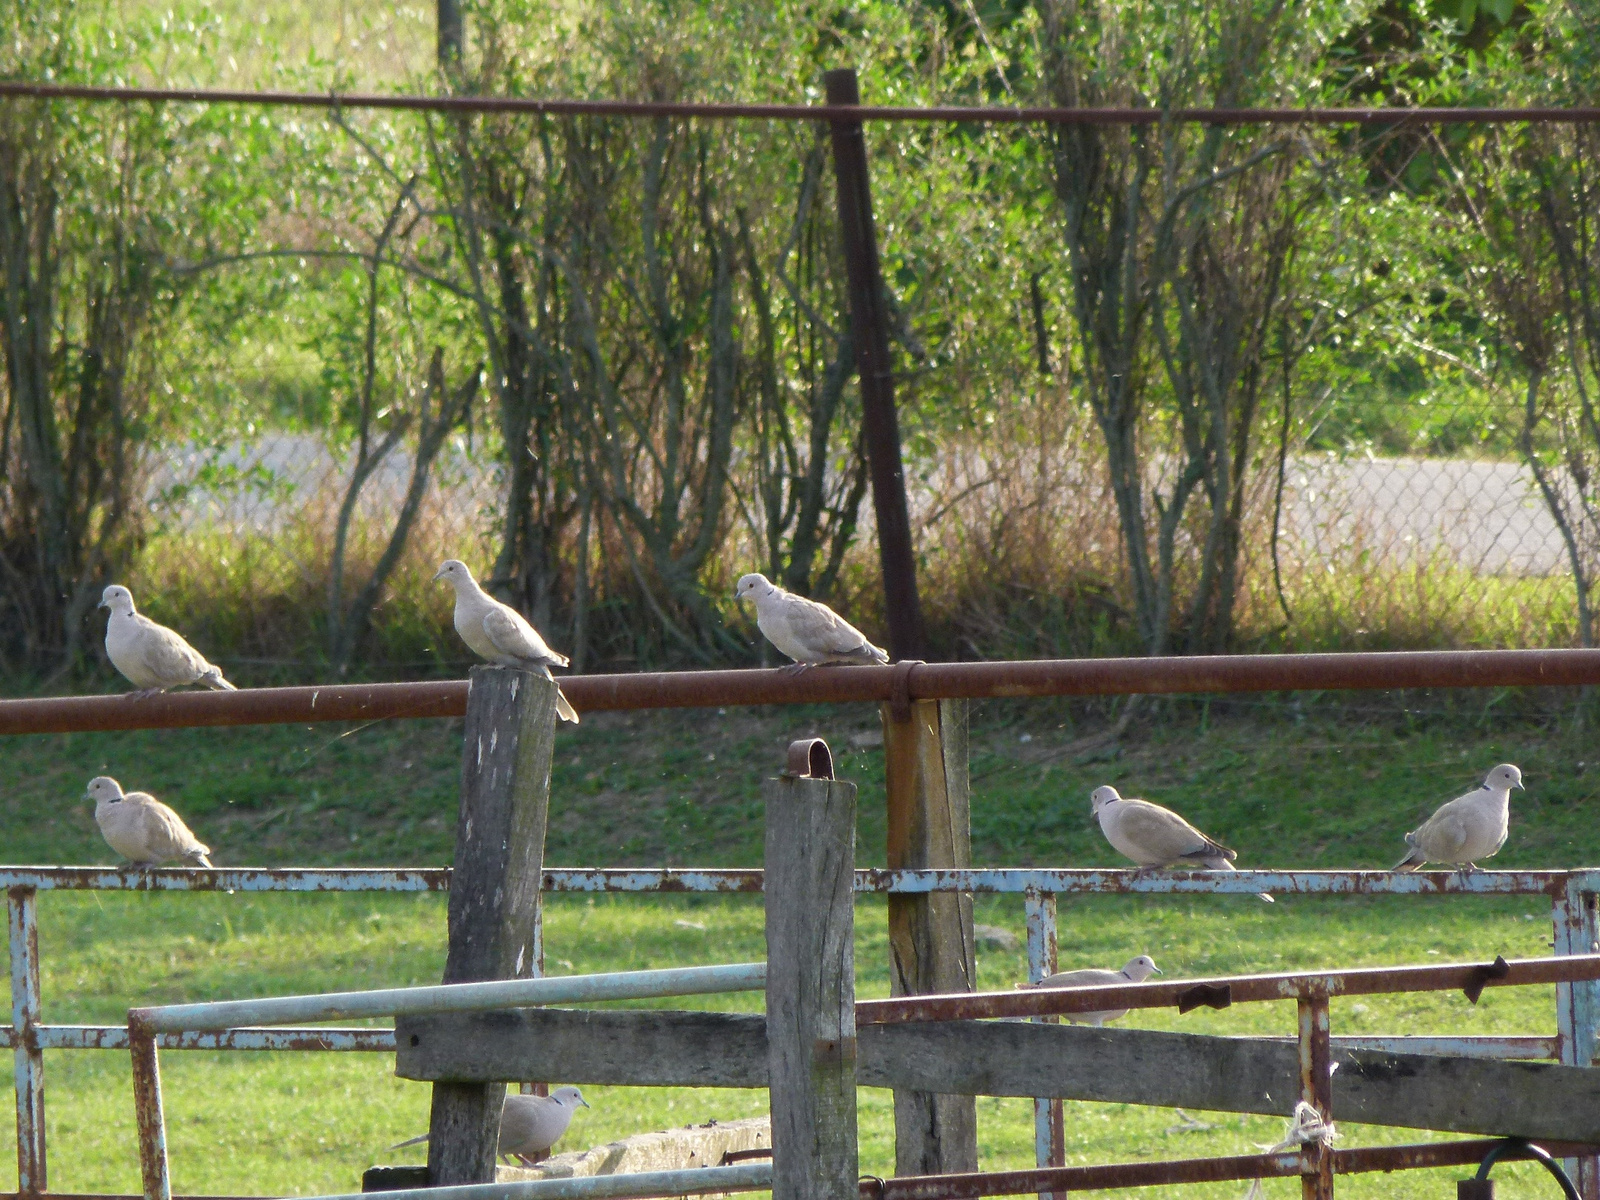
column 141, row 828
column 1467, row 828
column 153, row 657
column 500, row 633
column 529, row 1125
column 1137, row 971
column 1153, row 836
column 808, row 632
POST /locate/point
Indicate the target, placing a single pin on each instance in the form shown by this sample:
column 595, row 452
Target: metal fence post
column 1573, row 916
column 869, row 324
column 22, row 922
column 1316, row 1089
column 1049, row 1132
column 494, row 889
column 147, row 1107
column 811, row 1027
column 930, row 936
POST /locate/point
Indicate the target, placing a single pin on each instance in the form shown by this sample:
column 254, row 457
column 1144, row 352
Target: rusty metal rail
column 901, row 682
column 1188, row 994
column 801, row 112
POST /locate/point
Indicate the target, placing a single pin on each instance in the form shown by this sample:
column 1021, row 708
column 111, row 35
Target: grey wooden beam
column 989, row 1058
column 811, row 988
column 494, row 889
column 930, row 935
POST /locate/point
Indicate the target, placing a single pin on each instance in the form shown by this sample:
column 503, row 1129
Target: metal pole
column 450, row 32
column 1316, row 1089
column 870, row 326
column 28, row 1070
column 147, row 1109
column 1049, row 1132
column 1573, row 916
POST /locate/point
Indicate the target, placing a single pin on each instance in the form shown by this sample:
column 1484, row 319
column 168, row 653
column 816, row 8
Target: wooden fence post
column 930, row 936
column 494, row 890
column 811, row 1024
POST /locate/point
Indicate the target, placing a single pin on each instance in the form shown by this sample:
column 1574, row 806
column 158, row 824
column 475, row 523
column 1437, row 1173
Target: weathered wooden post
column 811, row 995
column 930, row 936
column 494, row 889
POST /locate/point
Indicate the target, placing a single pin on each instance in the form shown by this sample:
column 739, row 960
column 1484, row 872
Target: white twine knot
column 1305, row 1126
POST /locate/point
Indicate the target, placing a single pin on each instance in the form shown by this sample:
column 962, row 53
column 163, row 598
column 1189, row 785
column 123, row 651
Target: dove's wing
column 1161, row 835
column 821, row 630
column 513, row 636
column 1083, row 977
column 1443, row 836
column 166, row 656
column 532, row 1124
column 162, row 831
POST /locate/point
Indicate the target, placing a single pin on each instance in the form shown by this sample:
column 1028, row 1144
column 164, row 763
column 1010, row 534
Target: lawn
column 1288, row 786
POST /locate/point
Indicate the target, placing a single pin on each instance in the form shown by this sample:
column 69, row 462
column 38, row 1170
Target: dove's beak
column 438, row 575
column 102, row 604
column 583, row 1102
column 1157, row 971
column 1519, row 787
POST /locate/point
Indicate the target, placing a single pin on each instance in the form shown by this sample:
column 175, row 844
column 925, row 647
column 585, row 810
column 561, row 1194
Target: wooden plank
column 811, row 1022
column 644, row 1049
column 1072, row 1062
column 494, row 889
column 931, row 935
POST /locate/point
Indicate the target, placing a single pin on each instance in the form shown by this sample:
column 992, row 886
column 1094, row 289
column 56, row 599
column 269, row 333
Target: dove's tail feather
column 564, row 708
column 1412, row 861
column 416, row 1141
column 866, row 653
column 1219, row 863
column 213, row 679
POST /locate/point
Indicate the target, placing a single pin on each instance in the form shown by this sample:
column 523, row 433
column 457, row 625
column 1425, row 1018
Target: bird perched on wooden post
column 1467, row 828
column 1136, row 971
column 1153, row 836
column 529, row 1125
column 810, row 633
column 153, row 657
column 141, row 828
column 499, row 633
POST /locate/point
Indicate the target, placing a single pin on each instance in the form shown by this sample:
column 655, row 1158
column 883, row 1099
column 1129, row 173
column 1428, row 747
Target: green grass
column 1289, row 787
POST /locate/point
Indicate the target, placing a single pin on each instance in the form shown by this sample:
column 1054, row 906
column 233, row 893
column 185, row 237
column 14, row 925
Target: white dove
column 1153, row 836
column 808, row 632
column 1467, row 828
column 141, row 828
column 153, row 657
column 1137, row 971
column 529, row 1125
column 500, row 633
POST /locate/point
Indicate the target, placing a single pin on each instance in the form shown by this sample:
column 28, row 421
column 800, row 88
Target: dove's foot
column 525, row 1160
column 794, row 668
column 143, row 693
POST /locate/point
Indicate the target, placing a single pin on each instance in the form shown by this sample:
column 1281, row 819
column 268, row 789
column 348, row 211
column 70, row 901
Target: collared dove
column 153, row 657
column 1136, row 971
column 1467, row 828
column 1153, row 836
column 529, row 1125
column 141, row 828
column 500, row 633
column 808, row 632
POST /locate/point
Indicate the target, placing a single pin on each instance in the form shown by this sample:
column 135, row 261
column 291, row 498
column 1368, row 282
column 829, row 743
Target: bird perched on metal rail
column 499, row 633
column 141, row 828
column 810, row 633
column 153, row 657
column 1467, row 828
column 1137, row 970
column 1153, row 836
column 529, row 1125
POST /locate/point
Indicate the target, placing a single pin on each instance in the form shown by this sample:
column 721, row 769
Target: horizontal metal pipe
column 741, row 1177
column 1191, row 1170
column 229, row 879
column 115, row 1037
column 1236, row 989
column 987, row 880
column 804, row 112
column 832, row 685
column 453, row 997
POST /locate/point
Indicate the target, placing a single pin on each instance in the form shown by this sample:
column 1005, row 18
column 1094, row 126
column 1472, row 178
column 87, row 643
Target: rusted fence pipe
column 696, row 1181
column 800, row 112
column 828, row 685
column 1235, row 989
column 453, row 997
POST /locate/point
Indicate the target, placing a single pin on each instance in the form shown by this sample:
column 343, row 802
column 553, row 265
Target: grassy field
column 1287, row 786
